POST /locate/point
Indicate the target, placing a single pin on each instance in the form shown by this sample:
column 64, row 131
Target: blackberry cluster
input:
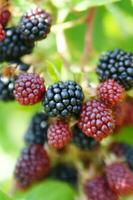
column 35, row 24
column 33, row 165
column 14, row 45
column 65, row 173
column 82, row 141
column 7, row 87
column 63, row 99
column 37, row 131
column 117, row 65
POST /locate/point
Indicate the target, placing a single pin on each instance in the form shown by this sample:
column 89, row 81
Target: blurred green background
column 64, row 47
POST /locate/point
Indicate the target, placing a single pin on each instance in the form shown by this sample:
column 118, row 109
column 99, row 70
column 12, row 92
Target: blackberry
column 59, row 134
column 96, row 120
column 117, row 65
column 63, row 99
column 81, row 140
column 98, row 189
column 120, row 178
column 66, row 173
column 110, row 93
column 4, row 16
column 32, row 166
column 29, row 88
column 14, row 45
column 37, row 131
column 35, row 24
column 18, row 64
column 7, row 87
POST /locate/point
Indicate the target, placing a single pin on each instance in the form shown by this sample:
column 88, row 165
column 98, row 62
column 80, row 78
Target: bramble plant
column 68, row 67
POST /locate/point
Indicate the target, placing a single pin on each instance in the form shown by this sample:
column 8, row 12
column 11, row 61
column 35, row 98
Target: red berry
column 29, row 89
column 110, row 93
column 4, row 17
column 98, row 189
column 120, row 178
column 96, row 120
column 33, row 165
column 2, row 33
column 58, row 134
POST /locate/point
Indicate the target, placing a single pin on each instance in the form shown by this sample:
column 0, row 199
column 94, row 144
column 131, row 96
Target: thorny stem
column 88, row 38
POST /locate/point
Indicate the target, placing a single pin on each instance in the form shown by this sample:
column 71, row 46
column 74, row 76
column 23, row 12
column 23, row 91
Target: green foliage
column 4, row 196
column 50, row 190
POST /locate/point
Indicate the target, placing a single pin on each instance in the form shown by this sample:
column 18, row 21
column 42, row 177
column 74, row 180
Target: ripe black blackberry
column 35, row 24
column 63, row 99
column 65, row 173
column 117, row 65
column 18, row 64
column 14, row 45
column 81, row 140
column 37, row 131
column 33, row 165
column 6, row 87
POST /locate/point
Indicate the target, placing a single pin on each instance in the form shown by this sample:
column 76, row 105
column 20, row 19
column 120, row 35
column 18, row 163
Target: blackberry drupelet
column 82, row 141
column 14, row 45
column 7, row 87
column 35, row 24
column 63, row 99
column 117, row 65
column 37, row 131
column 98, row 189
column 32, row 166
column 66, row 173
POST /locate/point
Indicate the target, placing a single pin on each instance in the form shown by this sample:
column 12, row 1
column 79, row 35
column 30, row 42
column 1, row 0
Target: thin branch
column 88, row 38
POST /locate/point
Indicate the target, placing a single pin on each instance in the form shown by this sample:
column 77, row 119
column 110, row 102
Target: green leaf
column 4, row 196
column 50, row 190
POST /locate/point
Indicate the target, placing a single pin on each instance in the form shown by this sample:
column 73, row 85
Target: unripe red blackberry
column 118, row 65
column 32, row 166
column 81, row 140
column 96, row 120
column 110, row 93
column 7, row 87
column 29, row 89
column 37, row 130
column 59, row 134
column 4, row 17
column 14, row 46
column 98, row 189
column 2, row 33
column 66, row 173
column 35, row 24
column 129, row 111
column 120, row 178
column 63, row 99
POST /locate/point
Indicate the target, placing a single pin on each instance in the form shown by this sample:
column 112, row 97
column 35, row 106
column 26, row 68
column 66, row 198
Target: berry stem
column 88, row 38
